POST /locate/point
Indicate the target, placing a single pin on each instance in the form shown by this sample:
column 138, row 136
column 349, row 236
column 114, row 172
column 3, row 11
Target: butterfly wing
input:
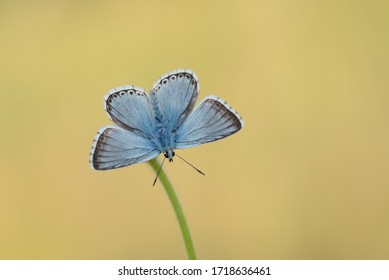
column 129, row 107
column 212, row 120
column 134, row 140
column 114, row 147
column 173, row 98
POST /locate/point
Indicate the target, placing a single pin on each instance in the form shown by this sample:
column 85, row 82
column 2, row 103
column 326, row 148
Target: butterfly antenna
column 198, row 170
column 156, row 177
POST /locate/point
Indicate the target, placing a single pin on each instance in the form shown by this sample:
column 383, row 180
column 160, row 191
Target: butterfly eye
column 164, row 81
column 187, row 76
column 158, row 87
column 122, row 93
column 115, row 95
column 180, row 75
column 131, row 92
column 172, row 77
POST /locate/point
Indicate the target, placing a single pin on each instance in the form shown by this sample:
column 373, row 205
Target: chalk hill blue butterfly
column 160, row 122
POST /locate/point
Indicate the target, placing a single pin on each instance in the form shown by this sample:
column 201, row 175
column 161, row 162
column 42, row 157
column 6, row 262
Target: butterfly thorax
column 165, row 143
column 164, row 127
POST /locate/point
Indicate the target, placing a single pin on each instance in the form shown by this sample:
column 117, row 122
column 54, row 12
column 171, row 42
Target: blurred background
column 307, row 177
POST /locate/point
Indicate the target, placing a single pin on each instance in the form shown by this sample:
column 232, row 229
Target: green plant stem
column 155, row 164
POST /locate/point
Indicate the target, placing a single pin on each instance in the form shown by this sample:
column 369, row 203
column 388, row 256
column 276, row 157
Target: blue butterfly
column 160, row 122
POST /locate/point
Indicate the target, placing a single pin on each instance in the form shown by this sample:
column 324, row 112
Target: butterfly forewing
column 173, row 98
column 212, row 120
column 114, row 147
column 129, row 107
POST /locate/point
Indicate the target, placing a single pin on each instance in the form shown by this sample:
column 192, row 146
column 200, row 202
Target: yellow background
column 307, row 177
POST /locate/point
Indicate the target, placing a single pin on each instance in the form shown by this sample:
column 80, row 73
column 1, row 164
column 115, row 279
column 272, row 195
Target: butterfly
column 160, row 122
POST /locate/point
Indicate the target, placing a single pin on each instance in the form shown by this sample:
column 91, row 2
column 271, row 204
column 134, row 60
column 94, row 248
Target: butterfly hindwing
column 212, row 120
column 114, row 147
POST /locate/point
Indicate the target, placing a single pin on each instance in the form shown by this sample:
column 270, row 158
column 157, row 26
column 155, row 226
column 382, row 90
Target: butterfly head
column 169, row 153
